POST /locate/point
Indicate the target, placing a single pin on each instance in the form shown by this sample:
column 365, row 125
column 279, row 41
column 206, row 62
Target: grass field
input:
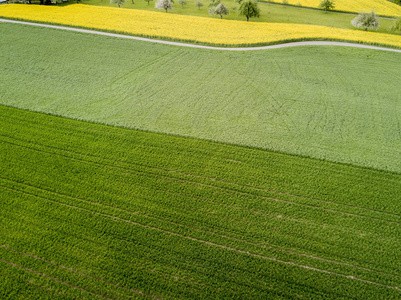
column 382, row 7
column 189, row 28
column 96, row 211
column 269, row 12
column 333, row 103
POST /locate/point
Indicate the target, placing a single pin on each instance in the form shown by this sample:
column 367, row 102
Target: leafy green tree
column 397, row 25
column 182, row 3
column 327, row 5
column 148, row 1
column 118, row 2
column 214, row 3
column 198, row 4
column 164, row 4
column 249, row 9
column 397, row 2
column 220, row 10
column 366, row 20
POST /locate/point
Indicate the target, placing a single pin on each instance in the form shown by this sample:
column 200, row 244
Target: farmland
column 136, row 170
column 269, row 12
column 97, row 211
column 312, row 102
column 382, row 7
column 190, row 28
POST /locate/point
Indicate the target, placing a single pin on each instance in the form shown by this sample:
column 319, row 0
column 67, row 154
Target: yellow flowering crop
column 381, row 7
column 190, row 28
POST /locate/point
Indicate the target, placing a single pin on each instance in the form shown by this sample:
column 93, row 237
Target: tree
column 164, row 4
column 148, row 1
column 182, row 2
column 214, row 3
column 118, row 2
column 397, row 25
column 198, row 4
column 327, row 5
column 249, row 9
column 366, row 20
column 397, row 2
column 220, row 9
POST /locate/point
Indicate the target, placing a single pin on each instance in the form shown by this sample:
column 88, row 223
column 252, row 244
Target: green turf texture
column 95, row 211
column 334, row 103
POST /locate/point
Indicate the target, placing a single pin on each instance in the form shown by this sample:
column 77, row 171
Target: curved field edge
column 186, row 28
column 193, row 42
column 116, row 213
column 310, row 101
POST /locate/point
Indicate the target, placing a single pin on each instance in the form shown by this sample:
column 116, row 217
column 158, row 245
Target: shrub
column 366, row 20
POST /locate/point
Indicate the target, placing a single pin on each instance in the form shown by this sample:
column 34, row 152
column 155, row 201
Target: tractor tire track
column 116, row 218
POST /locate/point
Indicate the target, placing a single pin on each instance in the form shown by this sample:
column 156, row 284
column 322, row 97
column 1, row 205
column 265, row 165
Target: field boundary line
column 116, row 218
column 283, row 45
column 129, row 163
column 261, row 189
column 53, row 278
column 233, row 189
column 77, row 272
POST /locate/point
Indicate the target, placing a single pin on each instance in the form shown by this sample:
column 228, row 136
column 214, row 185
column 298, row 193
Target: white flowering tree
column 366, row 21
column 164, row 4
column 220, row 10
column 118, row 2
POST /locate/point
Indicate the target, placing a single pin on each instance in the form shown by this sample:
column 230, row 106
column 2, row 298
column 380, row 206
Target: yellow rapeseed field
column 190, row 28
column 381, row 7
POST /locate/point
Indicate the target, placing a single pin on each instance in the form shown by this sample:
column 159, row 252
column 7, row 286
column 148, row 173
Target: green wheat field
column 131, row 170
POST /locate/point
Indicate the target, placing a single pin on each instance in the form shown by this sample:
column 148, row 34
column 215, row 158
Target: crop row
column 128, row 256
column 174, row 217
column 188, row 28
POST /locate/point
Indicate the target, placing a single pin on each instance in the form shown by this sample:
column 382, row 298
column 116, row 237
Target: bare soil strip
column 285, row 45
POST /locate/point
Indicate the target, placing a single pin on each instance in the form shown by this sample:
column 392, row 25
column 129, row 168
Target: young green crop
column 311, row 101
column 94, row 211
